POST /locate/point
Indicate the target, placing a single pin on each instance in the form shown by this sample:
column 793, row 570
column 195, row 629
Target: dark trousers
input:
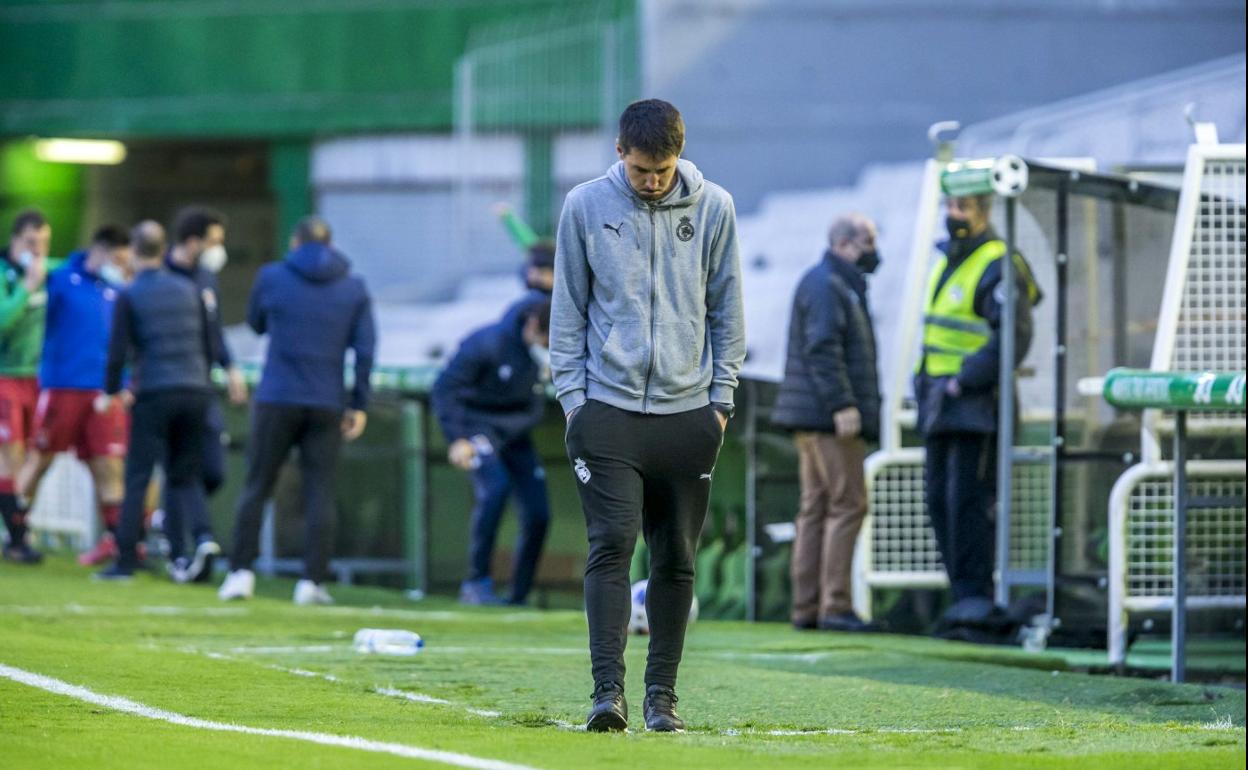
column 647, row 473
column 211, row 466
column 961, row 477
column 213, row 463
column 513, row 466
column 166, row 426
column 275, row 430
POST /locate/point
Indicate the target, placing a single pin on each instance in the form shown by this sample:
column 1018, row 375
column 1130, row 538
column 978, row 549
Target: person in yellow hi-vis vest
column 956, row 385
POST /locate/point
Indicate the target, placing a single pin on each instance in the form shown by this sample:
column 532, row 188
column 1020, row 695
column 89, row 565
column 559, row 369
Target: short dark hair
column 653, row 127
column 28, row 218
column 542, row 254
column 313, row 229
column 194, row 221
column 110, row 237
column 540, row 311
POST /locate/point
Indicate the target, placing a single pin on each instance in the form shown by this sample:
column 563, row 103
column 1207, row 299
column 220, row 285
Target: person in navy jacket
column 489, row 397
column 81, row 294
column 313, row 310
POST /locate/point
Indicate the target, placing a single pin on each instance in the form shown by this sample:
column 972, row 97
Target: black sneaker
column 610, row 711
column 117, row 572
column 660, row 710
column 847, row 621
column 21, row 553
column 200, row 568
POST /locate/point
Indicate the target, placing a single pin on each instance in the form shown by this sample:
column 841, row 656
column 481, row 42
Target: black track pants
column 647, row 473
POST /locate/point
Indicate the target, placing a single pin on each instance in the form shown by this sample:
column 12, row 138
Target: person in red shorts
column 23, row 269
column 81, row 295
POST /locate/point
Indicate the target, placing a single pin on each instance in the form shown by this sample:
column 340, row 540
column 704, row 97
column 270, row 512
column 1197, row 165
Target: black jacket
column 975, row 411
column 160, row 324
column 490, row 387
column 830, row 363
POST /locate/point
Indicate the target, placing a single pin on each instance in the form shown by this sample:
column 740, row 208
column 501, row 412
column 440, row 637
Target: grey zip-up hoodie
column 647, row 313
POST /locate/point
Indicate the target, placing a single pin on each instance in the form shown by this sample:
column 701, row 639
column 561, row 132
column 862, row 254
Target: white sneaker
column 307, row 592
column 239, row 584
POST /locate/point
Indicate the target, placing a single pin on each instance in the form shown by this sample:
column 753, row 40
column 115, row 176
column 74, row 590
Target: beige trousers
column 834, row 503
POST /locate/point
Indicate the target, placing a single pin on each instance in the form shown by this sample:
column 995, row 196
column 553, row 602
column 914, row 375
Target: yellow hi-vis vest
column 952, row 330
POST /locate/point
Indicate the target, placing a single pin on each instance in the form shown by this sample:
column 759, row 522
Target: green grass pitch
column 504, row 688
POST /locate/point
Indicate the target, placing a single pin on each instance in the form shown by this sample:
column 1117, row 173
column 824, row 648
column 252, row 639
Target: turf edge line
column 125, row 705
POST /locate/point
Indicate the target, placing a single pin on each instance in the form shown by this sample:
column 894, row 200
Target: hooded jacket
column 79, row 321
column 490, row 387
column 313, row 310
column 647, row 313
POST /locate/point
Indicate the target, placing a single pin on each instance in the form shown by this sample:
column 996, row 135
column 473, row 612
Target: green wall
column 267, row 68
column 53, row 188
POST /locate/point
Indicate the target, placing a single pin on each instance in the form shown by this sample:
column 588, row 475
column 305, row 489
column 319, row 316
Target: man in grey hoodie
column 647, row 336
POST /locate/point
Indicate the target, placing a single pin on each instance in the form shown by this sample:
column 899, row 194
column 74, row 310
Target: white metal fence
column 1201, row 327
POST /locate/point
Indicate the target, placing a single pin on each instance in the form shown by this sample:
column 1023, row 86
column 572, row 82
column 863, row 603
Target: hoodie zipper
column 645, row 394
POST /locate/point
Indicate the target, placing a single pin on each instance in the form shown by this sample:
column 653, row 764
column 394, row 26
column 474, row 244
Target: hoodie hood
column 687, row 192
column 318, row 262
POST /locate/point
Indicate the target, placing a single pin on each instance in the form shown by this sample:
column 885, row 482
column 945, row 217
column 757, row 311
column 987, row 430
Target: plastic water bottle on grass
column 387, row 641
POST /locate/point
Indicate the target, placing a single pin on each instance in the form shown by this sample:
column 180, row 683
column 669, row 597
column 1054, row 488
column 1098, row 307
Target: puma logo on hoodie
column 651, row 323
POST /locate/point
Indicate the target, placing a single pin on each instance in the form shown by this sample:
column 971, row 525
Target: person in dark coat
column 314, row 310
column 539, row 280
column 199, row 255
column 487, row 399
column 956, row 386
column 830, row 397
column 161, row 329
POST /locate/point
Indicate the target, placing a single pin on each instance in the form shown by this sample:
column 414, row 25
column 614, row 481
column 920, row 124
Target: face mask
column 958, row 228
column 113, row 274
column 26, row 258
column 540, row 356
column 213, row 258
column 868, row 261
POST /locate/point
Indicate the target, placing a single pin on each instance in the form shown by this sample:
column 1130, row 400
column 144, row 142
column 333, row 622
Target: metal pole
column 1059, row 407
column 1178, row 622
column 1005, row 412
column 464, row 172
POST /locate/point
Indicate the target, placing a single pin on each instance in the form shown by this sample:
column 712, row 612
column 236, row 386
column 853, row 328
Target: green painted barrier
column 1181, row 392
column 972, row 177
column 404, row 380
column 1144, row 389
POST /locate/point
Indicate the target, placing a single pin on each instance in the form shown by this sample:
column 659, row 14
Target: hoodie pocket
column 678, row 367
column 622, row 361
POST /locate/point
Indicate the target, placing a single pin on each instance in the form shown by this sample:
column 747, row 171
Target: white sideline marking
column 433, row 615
column 319, row 648
column 125, row 705
column 415, row 697
column 412, row 696
column 284, row 650
column 562, row 724
column 82, row 609
column 508, row 650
